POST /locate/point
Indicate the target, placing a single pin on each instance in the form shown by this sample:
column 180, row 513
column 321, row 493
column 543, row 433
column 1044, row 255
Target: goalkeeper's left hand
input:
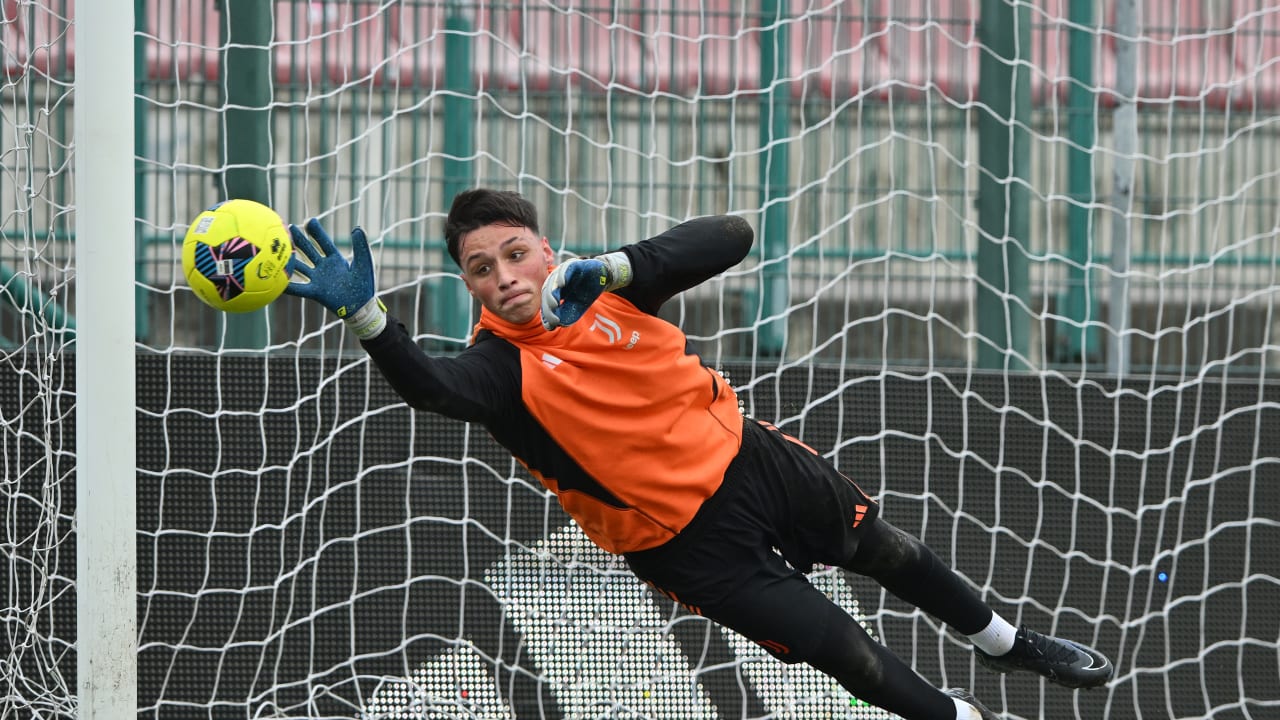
column 345, row 288
column 576, row 283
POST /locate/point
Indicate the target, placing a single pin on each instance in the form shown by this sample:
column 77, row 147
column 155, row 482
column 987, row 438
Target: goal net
column 1014, row 272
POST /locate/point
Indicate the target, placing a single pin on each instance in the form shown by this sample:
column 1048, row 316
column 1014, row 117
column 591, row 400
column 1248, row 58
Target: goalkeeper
column 573, row 372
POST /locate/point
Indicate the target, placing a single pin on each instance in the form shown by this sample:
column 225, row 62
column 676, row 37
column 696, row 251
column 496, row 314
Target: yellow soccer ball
column 234, row 256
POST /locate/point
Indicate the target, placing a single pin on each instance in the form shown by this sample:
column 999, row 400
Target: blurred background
column 1015, row 272
column 1123, row 153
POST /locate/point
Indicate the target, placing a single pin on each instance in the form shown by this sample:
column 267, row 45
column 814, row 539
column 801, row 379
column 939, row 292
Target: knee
column 885, row 549
column 851, row 657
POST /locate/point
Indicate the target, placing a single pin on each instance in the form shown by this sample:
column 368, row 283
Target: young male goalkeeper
column 608, row 407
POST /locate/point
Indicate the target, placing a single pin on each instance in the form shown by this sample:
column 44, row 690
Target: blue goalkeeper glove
column 345, row 288
column 576, row 283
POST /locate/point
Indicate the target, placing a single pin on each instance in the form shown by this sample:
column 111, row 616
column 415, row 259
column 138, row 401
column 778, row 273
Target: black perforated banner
column 309, row 547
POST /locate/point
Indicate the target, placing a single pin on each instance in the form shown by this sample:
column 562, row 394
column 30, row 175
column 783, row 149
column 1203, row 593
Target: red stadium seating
column 1051, row 32
column 43, row 37
column 576, row 43
column 932, row 44
column 420, row 34
column 183, row 40
column 837, row 49
column 334, row 42
column 1183, row 56
column 708, row 48
column 1256, row 53
column 10, row 37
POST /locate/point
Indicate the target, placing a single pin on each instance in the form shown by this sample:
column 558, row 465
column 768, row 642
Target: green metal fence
column 874, row 188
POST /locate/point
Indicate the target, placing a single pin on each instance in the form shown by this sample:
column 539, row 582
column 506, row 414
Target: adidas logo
column 859, row 513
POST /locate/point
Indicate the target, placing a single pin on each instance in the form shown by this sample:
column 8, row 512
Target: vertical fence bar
column 1079, row 344
column 1004, row 114
column 1126, row 145
column 247, row 28
column 775, row 121
column 450, row 307
column 106, row 450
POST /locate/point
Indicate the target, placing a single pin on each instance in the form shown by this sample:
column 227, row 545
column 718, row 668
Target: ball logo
column 267, row 269
column 202, row 227
column 224, row 265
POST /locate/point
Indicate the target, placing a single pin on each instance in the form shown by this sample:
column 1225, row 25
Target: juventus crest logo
column 610, row 328
column 613, row 331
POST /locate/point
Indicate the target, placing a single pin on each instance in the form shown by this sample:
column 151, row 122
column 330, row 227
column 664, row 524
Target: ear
column 470, row 292
column 547, row 253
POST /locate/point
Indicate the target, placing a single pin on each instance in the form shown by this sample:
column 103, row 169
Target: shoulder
column 488, row 348
column 487, row 343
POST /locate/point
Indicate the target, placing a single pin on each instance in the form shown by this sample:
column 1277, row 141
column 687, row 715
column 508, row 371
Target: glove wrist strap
column 369, row 321
column 619, row 267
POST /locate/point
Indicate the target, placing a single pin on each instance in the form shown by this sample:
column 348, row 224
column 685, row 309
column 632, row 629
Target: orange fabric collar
column 531, row 333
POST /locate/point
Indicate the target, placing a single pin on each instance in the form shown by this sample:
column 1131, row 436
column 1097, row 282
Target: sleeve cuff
column 369, row 321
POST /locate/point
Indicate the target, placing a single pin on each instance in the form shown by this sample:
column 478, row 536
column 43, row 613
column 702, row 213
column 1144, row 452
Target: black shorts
column 781, row 509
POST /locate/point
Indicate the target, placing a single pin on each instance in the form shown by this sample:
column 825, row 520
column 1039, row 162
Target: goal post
column 253, row 513
column 105, row 425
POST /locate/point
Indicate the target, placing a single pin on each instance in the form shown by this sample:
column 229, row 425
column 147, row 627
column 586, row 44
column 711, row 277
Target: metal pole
column 774, row 173
column 1079, row 344
column 106, row 450
column 1004, row 114
column 1126, row 145
column 142, row 317
column 450, row 310
column 247, row 28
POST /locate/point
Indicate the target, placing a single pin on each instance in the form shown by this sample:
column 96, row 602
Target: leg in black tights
column 907, row 568
column 870, row 672
column 780, row 609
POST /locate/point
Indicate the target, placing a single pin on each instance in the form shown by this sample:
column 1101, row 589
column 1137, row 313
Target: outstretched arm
column 476, row 385
column 685, row 256
column 649, row 272
column 479, row 384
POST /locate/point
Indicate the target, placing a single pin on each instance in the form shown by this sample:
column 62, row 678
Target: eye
column 480, row 270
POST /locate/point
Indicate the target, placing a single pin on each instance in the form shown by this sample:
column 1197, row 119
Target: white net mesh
column 37, row 481
column 307, row 547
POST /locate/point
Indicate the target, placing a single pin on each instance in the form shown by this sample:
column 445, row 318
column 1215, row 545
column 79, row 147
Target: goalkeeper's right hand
column 346, row 288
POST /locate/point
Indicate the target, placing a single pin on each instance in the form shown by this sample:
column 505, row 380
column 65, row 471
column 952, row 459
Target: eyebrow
column 467, row 260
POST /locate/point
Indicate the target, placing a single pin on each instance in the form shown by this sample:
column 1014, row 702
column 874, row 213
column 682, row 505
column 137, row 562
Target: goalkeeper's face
column 503, row 267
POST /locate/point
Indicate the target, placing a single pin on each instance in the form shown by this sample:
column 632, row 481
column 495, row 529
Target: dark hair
column 478, row 207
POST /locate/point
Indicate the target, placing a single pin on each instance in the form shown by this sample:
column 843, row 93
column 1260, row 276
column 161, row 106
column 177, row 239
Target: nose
column 505, row 276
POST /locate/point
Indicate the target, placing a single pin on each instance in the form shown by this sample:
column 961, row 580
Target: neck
column 509, row 330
